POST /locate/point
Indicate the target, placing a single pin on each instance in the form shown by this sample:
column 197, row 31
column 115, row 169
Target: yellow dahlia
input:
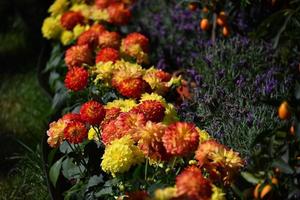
column 170, row 114
column 51, row 28
column 153, row 96
column 155, row 82
column 97, row 14
column 126, row 70
column 66, row 37
column 104, row 71
column 217, row 193
column 120, row 156
column 83, row 8
column 149, row 139
column 165, row 194
column 79, row 29
column 92, row 134
column 58, row 7
column 204, row 135
column 124, row 104
column 56, row 133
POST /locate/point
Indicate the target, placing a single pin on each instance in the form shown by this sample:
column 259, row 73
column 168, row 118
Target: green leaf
column 250, row 177
column 283, row 166
column 65, row 147
column 95, row 180
column 104, row 191
column 70, row 170
column 55, row 171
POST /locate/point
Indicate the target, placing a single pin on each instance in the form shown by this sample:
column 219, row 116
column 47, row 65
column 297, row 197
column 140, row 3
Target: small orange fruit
column 256, row 191
column 221, row 19
column 205, row 10
column 204, row 24
column 284, row 111
column 192, row 6
column 226, row 31
column 274, row 181
column 267, row 188
column 292, row 130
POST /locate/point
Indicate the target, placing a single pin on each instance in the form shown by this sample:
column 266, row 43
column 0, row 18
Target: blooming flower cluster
column 142, row 128
column 68, row 19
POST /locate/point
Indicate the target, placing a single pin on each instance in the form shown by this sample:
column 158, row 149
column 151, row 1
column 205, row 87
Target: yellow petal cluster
column 120, row 155
column 124, row 104
column 51, row 28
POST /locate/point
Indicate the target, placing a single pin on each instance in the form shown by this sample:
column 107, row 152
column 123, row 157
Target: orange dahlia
column 92, row 112
column 109, row 39
column 75, row 132
column 119, row 13
column 88, row 37
column 78, row 55
column 163, row 76
column 190, row 184
column 56, row 133
column 70, row 19
column 181, row 138
column 125, row 124
column 133, row 87
column 107, row 54
column 110, row 114
column 69, row 117
column 149, row 139
column 135, row 39
column 152, row 109
column 76, row 78
column 97, row 28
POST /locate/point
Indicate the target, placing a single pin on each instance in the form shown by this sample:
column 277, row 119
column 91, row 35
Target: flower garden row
column 140, row 148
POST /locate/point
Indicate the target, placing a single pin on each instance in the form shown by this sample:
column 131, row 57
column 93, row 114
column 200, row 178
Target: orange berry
column 267, row 188
column 204, row 24
column 292, row 130
column 226, row 31
column 274, row 181
column 205, row 10
column 256, row 191
column 284, row 111
column 192, row 6
column 221, row 19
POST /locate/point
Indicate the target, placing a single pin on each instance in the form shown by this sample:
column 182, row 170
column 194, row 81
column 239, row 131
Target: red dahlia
column 181, row 138
column 70, row 19
column 69, row 117
column 153, row 110
column 78, row 55
column 88, row 37
column 76, row 79
column 133, row 87
column 191, row 184
column 75, row 132
column 92, row 112
column 107, row 54
column 136, row 39
column 118, row 13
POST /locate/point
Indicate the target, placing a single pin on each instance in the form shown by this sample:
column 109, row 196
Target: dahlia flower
column 71, row 117
column 107, row 54
column 58, row 7
column 97, row 14
column 70, row 19
column 153, row 110
column 190, row 183
column 156, row 80
column 133, row 87
column 118, row 13
column 120, row 156
column 88, row 37
column 153, row 96
column 204, row 135
column 56, row 133
column 124, row 104
column 165, row 194
column 109, row 39
column 75, row 132
column 83, row 8
column 217, row 193
column 181, row 138
column 92, row 134
column 92, row 112
column 78, row 55
column 149, row 139
column 76, row 78
column 51, row 28
column 104, row 72
column 124, row 124
column 66, row 37
column 79, row 29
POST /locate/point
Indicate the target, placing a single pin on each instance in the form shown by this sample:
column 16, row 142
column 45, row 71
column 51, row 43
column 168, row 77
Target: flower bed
column 129, row 130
